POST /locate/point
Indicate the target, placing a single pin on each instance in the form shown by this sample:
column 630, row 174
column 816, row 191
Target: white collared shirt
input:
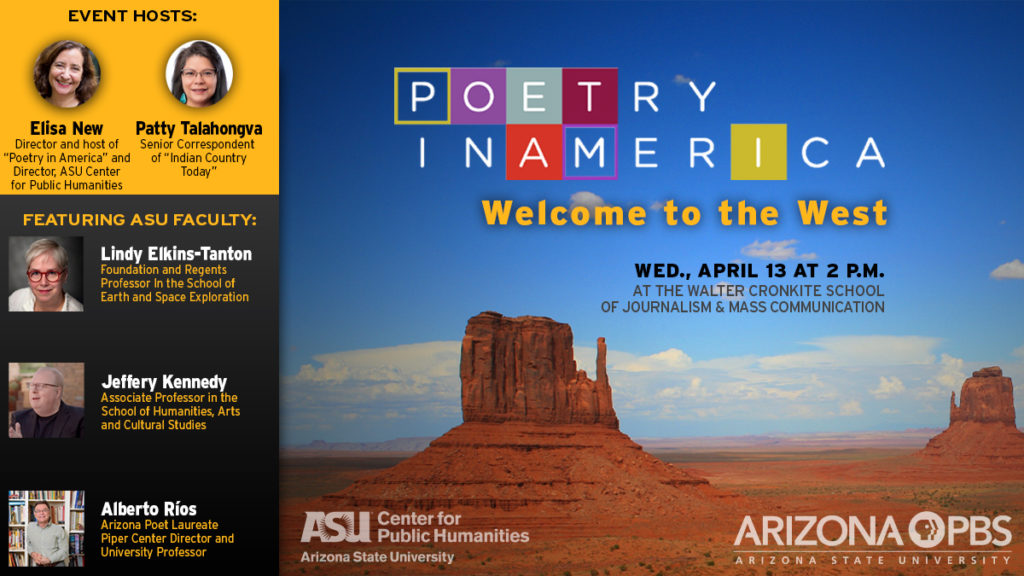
column 23, row 300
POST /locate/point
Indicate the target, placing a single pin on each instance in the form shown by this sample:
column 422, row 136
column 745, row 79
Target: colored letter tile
column 533, row 152
column 758, row 152
column 478, row 95
column 421, row 95
column 590, row 96
column 591, row 152
column 534, row 96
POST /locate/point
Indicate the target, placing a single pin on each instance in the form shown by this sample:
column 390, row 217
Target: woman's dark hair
column 206, row 50
column 86, row 88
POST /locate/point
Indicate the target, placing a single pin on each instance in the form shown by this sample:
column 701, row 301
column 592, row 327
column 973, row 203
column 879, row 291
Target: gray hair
column 47, row 246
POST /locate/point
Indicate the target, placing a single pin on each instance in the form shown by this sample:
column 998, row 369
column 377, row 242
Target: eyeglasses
column 206, row 74
column 51, row 275
column 37, row 387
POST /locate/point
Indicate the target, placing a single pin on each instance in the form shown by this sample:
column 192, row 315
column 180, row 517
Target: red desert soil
column 692, row 539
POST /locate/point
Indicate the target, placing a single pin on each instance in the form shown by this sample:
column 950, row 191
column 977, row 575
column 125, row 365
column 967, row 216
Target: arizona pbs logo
column 560, row 123
column 926, row 530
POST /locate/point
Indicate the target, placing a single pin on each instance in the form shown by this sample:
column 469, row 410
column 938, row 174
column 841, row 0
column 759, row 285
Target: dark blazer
column 67, row 425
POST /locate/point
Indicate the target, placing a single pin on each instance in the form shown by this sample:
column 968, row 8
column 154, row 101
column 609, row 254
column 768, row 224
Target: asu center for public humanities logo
column 337, row 527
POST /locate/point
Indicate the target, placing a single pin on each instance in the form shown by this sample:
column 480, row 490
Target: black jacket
column 67, row 425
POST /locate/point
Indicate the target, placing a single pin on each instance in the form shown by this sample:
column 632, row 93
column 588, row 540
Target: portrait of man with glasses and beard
column 49, row 416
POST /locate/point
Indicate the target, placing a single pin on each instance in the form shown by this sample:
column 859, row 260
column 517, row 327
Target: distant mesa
column 983, row 428
column 537, row 433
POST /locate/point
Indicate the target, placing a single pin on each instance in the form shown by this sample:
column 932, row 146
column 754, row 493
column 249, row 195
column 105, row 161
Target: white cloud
column 658, row 206
column 776, row 393
column 1009, row 270
column 1019, row 352
column 851, row 408
column 728, row 363
column 586, row 358
column 952, row 373
column 680, row 79
column 692, row 390
column 781, row 250
column 373, row 384
column 856, row 351
column 888, row 387
column 429, row 359
column 671, row 393
column 832, row 379
column 948, row 378
column 587, row 199
column 802, row 411
column 671, row 360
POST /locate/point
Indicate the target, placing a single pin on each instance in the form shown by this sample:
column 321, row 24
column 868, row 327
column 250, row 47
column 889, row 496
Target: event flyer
column 506, row 288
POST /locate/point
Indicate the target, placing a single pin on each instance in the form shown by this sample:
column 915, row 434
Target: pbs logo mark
column 928, row 530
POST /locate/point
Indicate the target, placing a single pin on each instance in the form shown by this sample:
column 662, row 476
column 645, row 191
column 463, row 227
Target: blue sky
column 383, row 262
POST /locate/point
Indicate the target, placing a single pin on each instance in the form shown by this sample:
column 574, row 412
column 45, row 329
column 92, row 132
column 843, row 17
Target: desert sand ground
column 846, row 479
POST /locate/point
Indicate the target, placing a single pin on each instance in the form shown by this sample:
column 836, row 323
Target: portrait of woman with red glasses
column 46, row 268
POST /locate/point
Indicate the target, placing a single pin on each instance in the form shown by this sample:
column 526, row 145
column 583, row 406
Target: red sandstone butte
column 984, row 427
column 538, row 435
column 522, row 370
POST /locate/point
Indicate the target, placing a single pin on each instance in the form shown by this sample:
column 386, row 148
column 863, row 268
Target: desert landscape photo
column 542, row 482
